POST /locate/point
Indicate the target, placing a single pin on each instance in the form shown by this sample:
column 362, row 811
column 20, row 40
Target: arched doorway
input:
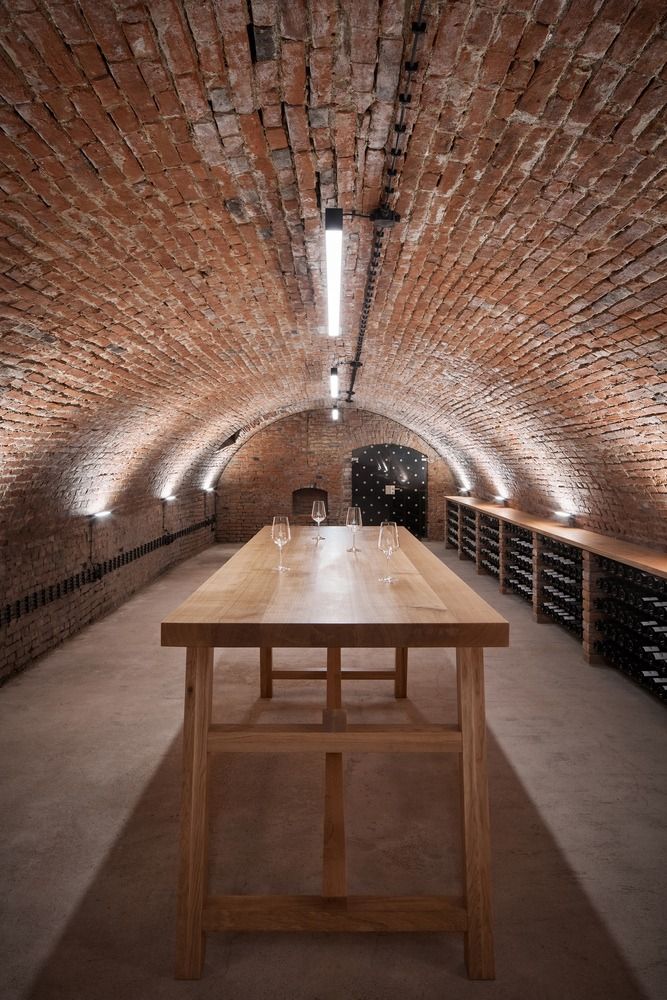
column 302, row 503
column 390, row 483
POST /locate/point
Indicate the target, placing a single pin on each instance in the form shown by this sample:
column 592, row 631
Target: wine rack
column 467, row 527
column 632, row 627
column 519, row 561
column 453, row 525
column 611, row 594
column 489, row 558
column 560, row 584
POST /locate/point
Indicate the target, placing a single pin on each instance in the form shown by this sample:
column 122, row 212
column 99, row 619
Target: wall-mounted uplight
column 501, row 501
column 333, row 383
column 564, row 516
column 92, row 518
column 209, row 489
column 335, row 412
column 168, row 499
column 333, row 235
column 463, row 492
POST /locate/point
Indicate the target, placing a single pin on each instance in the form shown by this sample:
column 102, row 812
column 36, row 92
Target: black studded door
column 389, row 483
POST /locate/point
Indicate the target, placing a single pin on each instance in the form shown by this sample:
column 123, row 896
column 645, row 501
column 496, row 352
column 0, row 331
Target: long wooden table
column 333, row 599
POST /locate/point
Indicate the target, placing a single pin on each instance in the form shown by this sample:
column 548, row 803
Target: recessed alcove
column 303, row 500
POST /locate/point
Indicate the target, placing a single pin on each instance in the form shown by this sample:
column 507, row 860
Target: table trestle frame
column 334, row 910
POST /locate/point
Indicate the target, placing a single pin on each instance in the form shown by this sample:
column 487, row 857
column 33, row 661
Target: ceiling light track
column 384, row 217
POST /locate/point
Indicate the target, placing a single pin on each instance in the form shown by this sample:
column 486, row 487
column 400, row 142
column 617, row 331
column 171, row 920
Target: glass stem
column 280, row 557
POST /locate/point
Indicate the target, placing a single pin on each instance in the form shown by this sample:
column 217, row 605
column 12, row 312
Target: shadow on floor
column 550, row 942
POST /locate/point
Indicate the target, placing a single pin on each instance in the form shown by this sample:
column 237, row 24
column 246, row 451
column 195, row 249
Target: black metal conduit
column 383, row 217
column 93, row 573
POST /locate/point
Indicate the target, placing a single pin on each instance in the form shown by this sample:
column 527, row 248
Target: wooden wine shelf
column 564, row 586
column 648, row 560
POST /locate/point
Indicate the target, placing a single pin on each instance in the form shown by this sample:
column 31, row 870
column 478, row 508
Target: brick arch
column 162, row 250
column 258, row 483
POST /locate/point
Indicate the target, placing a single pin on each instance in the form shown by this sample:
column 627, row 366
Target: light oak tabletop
column 332, row 597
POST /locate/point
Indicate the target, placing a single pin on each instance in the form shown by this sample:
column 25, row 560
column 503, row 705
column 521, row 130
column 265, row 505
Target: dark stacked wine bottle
column 453, row 525
column 519, row 561
column 560, row 584
column 632, row 628
column 468, row 533
column 489, row 530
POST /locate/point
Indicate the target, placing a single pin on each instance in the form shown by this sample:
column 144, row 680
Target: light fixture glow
column 335, row 412
column 168, row 499
column 101, row 513
column 333, row 382
column 501, row 500
column 208, row 489
column 564, row 515
column 333, row 235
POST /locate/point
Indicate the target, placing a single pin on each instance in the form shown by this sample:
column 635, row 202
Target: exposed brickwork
column 37, row 562
column 162, row 182
column 309, row 449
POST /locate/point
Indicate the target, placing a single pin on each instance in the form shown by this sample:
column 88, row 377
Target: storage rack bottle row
column 453, row 525
column 560, row 590
column 519, row 561
column 632, row 623
column 489, row 556
column 611, row 594
column 468, row 529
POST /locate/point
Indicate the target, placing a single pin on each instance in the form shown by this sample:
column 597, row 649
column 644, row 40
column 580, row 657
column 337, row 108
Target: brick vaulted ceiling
column 164, row 168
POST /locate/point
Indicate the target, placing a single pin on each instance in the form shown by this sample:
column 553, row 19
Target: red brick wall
column 41, row 603
column 162, row 272
column 309, row 449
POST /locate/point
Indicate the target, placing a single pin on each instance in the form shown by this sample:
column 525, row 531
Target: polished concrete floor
column 89, row 786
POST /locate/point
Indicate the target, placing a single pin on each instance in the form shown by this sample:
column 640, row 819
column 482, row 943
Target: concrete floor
column 89, row 788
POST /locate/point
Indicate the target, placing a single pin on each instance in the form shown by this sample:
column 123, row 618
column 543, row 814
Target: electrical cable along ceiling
column 165, row 167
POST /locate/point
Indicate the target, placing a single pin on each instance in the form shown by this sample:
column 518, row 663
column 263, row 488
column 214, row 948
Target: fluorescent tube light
column 333, row 234
column 333, row 382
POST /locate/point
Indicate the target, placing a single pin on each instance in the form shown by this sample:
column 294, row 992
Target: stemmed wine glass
column 353, row 521
column 388, row 543
column 280, row 534
column 318, row 515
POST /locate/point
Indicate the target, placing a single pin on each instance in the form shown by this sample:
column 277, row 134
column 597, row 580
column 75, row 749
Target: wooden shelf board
column 648, row 560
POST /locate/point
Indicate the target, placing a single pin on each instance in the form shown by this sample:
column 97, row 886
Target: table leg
column 401, row 676
column 334, row 880
column 190, row 940
column 266, row 672
column 475, row 809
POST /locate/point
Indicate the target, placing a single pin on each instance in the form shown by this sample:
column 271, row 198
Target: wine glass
column 280, row 534
column 318, row 515
column 388, row 543
column 353, row 521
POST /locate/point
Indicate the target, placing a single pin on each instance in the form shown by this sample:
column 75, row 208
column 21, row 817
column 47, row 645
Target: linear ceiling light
column 333, row 383
column 333, row 233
